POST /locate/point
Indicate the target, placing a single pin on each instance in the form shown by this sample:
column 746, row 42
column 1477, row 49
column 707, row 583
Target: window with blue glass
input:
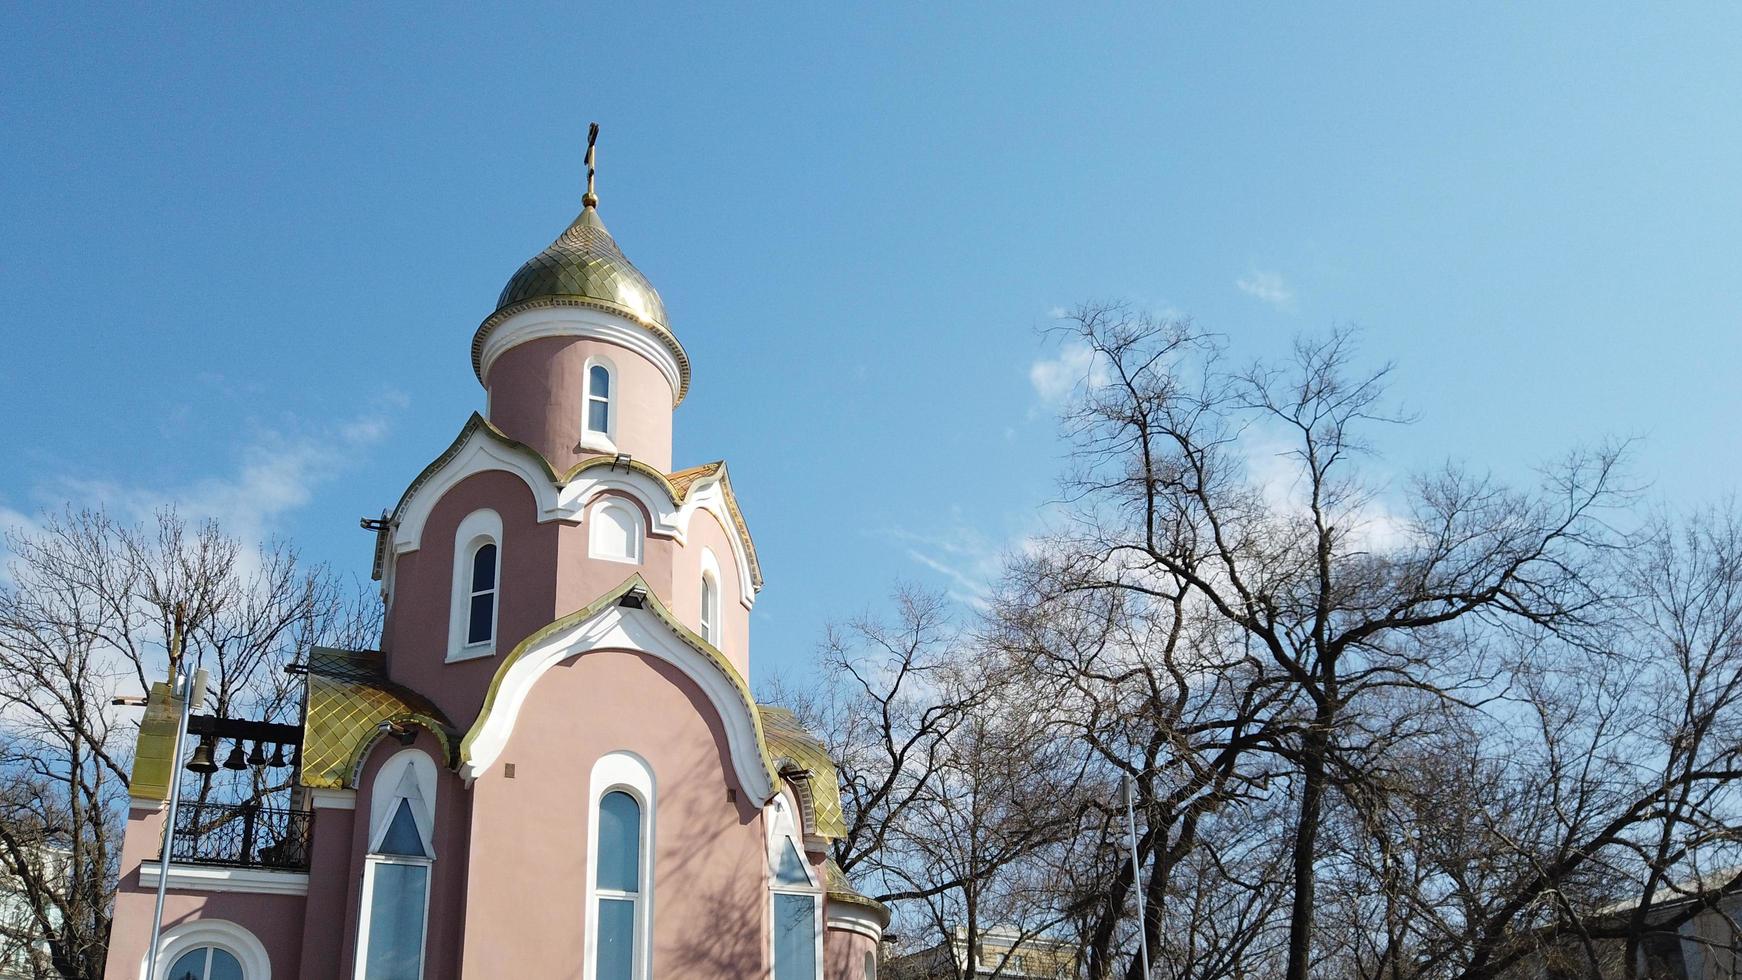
column 797, row 913
column 481, row 613
column 396, row 880
column 206, row 963
column 599, row 399
column 617, row 888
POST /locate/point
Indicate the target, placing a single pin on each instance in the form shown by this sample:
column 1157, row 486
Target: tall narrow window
column 477, row 595
column 798, row 901
column 620, row 875
column 709, row 617
column 599, row 399
column 396, row 872
column 481, row 612
column 710, row 610
column 618, row 885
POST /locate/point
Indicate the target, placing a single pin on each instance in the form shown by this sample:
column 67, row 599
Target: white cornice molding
column 585, row 323
column 620, row 628
column 204, row 878
column 333, row 799
column 848, row 917
column 483, row 452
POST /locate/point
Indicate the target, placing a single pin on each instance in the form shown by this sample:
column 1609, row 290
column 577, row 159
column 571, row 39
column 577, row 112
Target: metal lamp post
column 189, row 690
column 1128, row 790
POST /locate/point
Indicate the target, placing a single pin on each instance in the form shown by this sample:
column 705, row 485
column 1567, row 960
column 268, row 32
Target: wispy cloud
column 1269, row 288
column 1074, row 367
column 969, row 560
column 276, row 472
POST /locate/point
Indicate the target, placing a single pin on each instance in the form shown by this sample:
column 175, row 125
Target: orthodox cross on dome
column 591, row 198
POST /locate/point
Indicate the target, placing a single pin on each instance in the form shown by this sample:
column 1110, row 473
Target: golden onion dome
column 585, row 263
column 584, row 267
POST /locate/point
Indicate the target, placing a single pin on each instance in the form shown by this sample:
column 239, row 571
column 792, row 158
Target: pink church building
column 553, row 767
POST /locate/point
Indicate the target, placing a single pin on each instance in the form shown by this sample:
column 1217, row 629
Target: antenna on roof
column 590, row 199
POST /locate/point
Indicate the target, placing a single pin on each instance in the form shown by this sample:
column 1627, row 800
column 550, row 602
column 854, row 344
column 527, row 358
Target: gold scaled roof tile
column 841, row 890
column 348, row 699
column 792, row 747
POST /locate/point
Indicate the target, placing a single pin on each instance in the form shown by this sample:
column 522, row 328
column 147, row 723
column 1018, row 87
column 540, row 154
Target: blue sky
column 244, row 252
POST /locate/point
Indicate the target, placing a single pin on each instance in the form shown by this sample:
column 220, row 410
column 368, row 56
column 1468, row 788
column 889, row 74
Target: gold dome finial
column 591, row 198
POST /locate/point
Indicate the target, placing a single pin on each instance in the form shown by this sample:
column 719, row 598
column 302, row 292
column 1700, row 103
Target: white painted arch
column 621, row 628
column 222, row 933
column 484, row 451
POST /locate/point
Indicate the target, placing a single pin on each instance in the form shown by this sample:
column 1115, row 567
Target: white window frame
column 621, row 772
column 637, row 530
column 384, row 801
column 604, row 442
column 221, row 933
column 709, row 615
column 370, row 865
column 781, row 819
column 477, row 529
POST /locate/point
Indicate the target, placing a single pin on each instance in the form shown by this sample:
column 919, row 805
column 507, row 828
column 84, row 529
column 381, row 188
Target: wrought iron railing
column 241, row 835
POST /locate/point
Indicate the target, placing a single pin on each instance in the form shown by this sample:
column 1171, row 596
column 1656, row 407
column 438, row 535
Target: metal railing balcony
column 241, row 835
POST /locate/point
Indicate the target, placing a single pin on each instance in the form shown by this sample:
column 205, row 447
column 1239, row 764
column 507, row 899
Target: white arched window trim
column 607, row 517
column 477, row 529
column 628, row 773
column 222, row 933
column 603, row 442
column 409, row 774
column 711, row 607
column 782, row 820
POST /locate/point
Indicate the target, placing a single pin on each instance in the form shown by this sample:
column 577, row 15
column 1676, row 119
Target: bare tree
column 1342, row 596
column 86, row 611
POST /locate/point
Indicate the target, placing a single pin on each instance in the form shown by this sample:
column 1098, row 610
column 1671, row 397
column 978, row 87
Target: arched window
column 620, row 870
column 599, row 399
column 870, row 966
column 210, row 949
column 710, row 610
column 709, row 616
column 616, row 533
column 396, row 871
column 477, row 586
column 797, row 898
column 206, row 963
column 481, row 611
column 599, row 403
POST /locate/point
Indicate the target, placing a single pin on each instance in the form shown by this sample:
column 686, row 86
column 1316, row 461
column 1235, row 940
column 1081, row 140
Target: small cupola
column 584, row 267
column 577, row 358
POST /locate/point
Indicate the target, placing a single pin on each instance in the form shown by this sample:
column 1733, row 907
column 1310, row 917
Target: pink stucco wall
column 527, row 910
column 275, row 920
column 416, row 636
column 581, row 579
column 685, row 595
column 329, row 894
column 844, row 954
column 536, row 391
column 447, row 904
